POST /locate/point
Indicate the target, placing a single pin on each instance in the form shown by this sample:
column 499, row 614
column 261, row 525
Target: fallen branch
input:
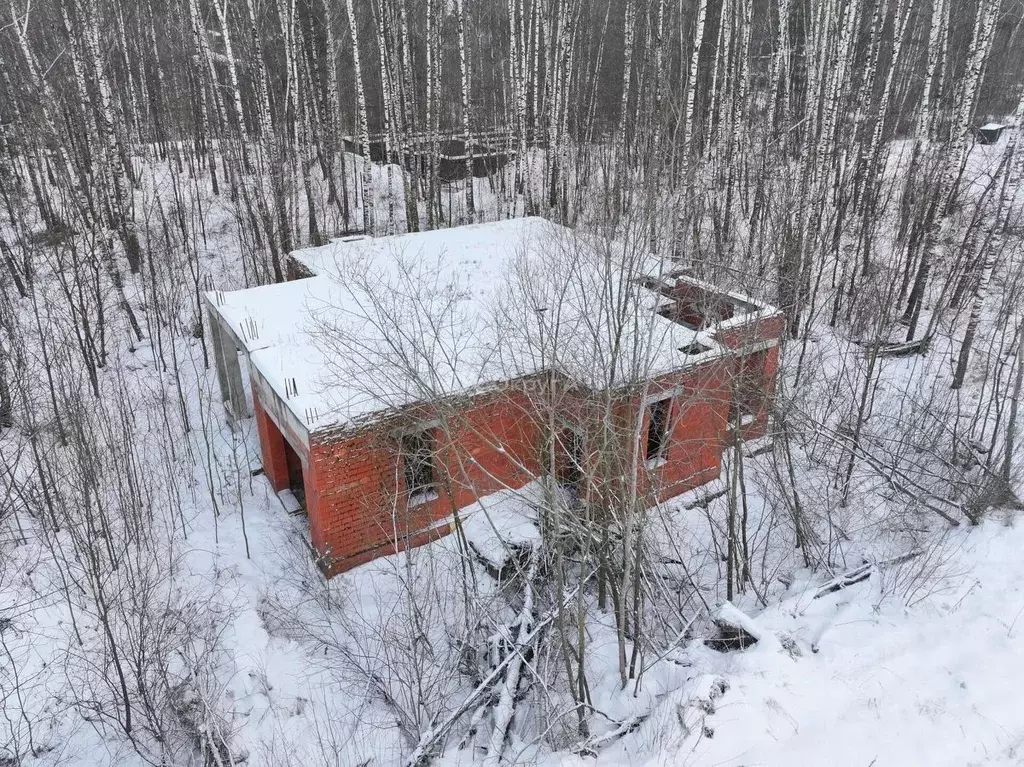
column 847, row 579
column 705, row 500
column 422, row 754
column 505, row 708
column 896, row 349
column 590, row 746
column 862, row 572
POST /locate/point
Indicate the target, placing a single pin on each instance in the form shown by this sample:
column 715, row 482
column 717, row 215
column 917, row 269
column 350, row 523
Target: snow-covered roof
column 390, row 321
column 992, row 126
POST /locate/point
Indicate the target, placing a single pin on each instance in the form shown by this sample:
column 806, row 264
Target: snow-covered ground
column 921, row 664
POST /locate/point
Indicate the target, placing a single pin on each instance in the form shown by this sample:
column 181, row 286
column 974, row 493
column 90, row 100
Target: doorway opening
column 569, row 462
column 296, row 482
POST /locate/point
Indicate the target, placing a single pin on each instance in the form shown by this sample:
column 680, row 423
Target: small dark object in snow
column 704, row 501
column 49, row 238
column 694, row 348
column 989, row 133
column 896, row 349
column 730, row 638
column 256, row 472
column 709, row 732
column 5, row 623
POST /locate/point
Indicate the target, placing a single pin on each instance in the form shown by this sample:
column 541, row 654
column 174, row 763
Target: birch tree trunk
column 388, row 111
column 686, row 150
column 221, row 8
column 621, row 137
column 460, row 14
column 121, row 207
column 1010, row 443
column 369, row 225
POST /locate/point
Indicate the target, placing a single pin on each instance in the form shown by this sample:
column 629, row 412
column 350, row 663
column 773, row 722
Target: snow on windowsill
column 421, row 497
column 745, row 420
column 655, row 463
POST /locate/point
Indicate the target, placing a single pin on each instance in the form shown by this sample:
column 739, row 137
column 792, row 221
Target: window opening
column 571, row 472
column 418, row 464
column 657, row 428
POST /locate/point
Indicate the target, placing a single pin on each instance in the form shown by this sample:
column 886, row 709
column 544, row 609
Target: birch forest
column 858, row 164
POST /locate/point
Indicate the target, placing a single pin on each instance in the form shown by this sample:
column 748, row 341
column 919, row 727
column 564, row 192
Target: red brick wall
column 355, row 493
column 275, row 460
column 752, row 333
column 700, row 418
column 356, row 496
column 698, row 424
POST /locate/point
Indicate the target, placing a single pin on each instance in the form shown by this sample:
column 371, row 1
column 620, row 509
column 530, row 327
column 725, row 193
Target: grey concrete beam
column 239, row 406
column 213, row 321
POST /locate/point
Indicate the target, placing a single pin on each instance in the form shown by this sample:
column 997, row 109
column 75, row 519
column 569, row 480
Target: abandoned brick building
column 396, row 380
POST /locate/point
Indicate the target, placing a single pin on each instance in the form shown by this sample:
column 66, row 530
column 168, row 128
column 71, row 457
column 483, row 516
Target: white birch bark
column 658, row 86
column 335, row 144
column 629, row 32
column 940, row 88
column 523, row 53
column 1010, row 442
column 686, row 149
column 121, row 195
column 903, row 13
column 925, row 122
column 720, row 71
column 1013, row 167
column 308, row 116
column 781, row 72
column 132, row 120
column 460, row 13
column 407, row 103
column 369, row 225
column 981, row 45
column 691, row 87
column 387, row 114
column 221, row 8
column 514, row 113
column 432, row 118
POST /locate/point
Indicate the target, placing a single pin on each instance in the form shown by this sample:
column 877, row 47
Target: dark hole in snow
column 730, row 638
column 694, row 348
